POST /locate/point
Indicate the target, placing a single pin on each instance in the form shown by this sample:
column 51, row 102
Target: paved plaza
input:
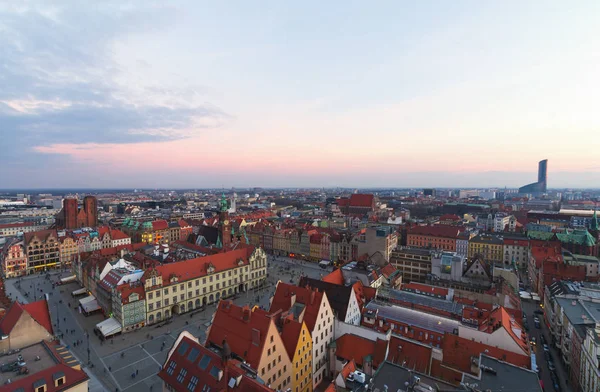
column 130, row 362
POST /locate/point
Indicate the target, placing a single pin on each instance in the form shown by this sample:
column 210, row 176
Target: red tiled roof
column 516, row 242
column 334, row 277
column 37, row 310
column 290, row 333
column 73, row 376
column 354, row 347
column 362, row 200
column 118, row 235
column 502, row 318
column 197, row 267
column 425, row 288
column 160, row 224
column 244, row 329
column 40, row 234
column 40, row 313
column 102, row 230
column 127, row 289
column 21, row 224
column 409, row 353
column 388, row 270
column 450, row 217
column 311, row 299
column 436, row 231
column 459, row 351
column 207, row 381
column 347, row 369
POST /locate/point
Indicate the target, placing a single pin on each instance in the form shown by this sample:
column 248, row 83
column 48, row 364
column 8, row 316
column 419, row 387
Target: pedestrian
column 137, row 371
column 110, row 369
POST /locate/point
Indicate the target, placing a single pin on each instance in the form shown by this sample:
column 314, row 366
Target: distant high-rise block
column 542, row 183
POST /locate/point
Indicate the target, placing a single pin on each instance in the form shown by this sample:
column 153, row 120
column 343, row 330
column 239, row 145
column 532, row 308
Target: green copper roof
column 219, row 244
column 579, row 237
column 540, row 235
column 594, row 224
column 223, row 203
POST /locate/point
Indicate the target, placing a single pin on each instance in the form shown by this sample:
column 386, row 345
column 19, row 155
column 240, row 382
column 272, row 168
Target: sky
column 194, row 94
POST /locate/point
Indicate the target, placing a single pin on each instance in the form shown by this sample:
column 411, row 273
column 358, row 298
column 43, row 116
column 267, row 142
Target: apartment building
column 253, row 335
column 312, row 307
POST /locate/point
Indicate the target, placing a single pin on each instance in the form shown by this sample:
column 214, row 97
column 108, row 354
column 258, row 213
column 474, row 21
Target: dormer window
column 40, row 385
column 59, row 379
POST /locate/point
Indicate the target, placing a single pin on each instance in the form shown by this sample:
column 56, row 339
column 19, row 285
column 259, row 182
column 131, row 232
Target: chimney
column 225, row 353
column 246, row 314
column 312, row 297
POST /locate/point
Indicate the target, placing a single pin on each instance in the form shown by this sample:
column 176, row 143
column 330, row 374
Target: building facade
column 43, row 250
column 13, row 258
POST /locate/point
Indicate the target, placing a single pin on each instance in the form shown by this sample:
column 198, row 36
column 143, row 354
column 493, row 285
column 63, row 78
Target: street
column 130, row 362
column 528, row 309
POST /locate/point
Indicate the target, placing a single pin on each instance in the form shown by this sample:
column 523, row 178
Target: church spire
column 594, row 224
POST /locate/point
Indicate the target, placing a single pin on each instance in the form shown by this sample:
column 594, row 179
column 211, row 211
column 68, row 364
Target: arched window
column 158, row 316
column 151, row 319
column 190, row 305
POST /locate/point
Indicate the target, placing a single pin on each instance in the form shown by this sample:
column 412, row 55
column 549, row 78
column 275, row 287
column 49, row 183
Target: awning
column 69, row 279
column 89, row 304
column 109, row 327
column 80, row 291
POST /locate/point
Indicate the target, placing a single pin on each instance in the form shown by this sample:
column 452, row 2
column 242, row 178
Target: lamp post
column 57, row 318
column 87, row 335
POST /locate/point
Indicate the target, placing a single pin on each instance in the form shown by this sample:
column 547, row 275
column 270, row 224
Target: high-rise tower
column 90, row 206
column 224, row 224
column 541, row 185
column 69, row 213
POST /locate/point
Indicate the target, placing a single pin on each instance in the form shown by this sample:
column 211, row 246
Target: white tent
column 79, row 292
column 69, row 279
column 89, row 304
column 109, row 327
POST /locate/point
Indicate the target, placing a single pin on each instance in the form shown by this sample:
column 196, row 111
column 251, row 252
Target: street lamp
column 87, row 335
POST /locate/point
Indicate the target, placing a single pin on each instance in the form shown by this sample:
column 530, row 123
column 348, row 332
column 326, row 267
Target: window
column 171, row 368
column 192, row 385
column 150, row 296
column 174, row 289
column 181, row 375
column 271, row 339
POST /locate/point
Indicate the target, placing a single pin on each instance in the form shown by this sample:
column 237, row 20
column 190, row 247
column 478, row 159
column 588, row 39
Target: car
column 532, row 341
column 547, row 355
column 538, row 311
column 537, row 324
column 546, row 347
column 536, row 320
column 543, row 339
column 551, row 366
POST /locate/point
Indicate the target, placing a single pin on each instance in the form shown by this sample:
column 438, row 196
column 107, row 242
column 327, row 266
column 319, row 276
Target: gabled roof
column 244, row 329
column 211, row 371
column 335, row 277
column 338, row 295
column 160, row 224
column 409, row 353
column 354, row 347
column 459, row 352
column 37, row 310
column 290, row 334
column 118, row 235
column 42, row 235
column 311, row 299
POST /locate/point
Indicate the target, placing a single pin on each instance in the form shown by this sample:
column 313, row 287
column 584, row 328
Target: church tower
column 224, row 224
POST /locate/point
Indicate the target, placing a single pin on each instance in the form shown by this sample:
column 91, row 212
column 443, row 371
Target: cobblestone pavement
column 130, row 362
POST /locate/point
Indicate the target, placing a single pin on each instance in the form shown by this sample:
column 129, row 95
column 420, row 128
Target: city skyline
column 403, row 95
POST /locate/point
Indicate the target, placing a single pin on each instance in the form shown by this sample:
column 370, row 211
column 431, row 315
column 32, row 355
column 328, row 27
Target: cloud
column 59, row 83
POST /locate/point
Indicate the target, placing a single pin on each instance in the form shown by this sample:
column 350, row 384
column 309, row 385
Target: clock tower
column 224, row 224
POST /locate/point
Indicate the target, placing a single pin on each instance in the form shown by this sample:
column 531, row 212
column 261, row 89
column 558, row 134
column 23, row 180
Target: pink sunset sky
column 390, row 94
